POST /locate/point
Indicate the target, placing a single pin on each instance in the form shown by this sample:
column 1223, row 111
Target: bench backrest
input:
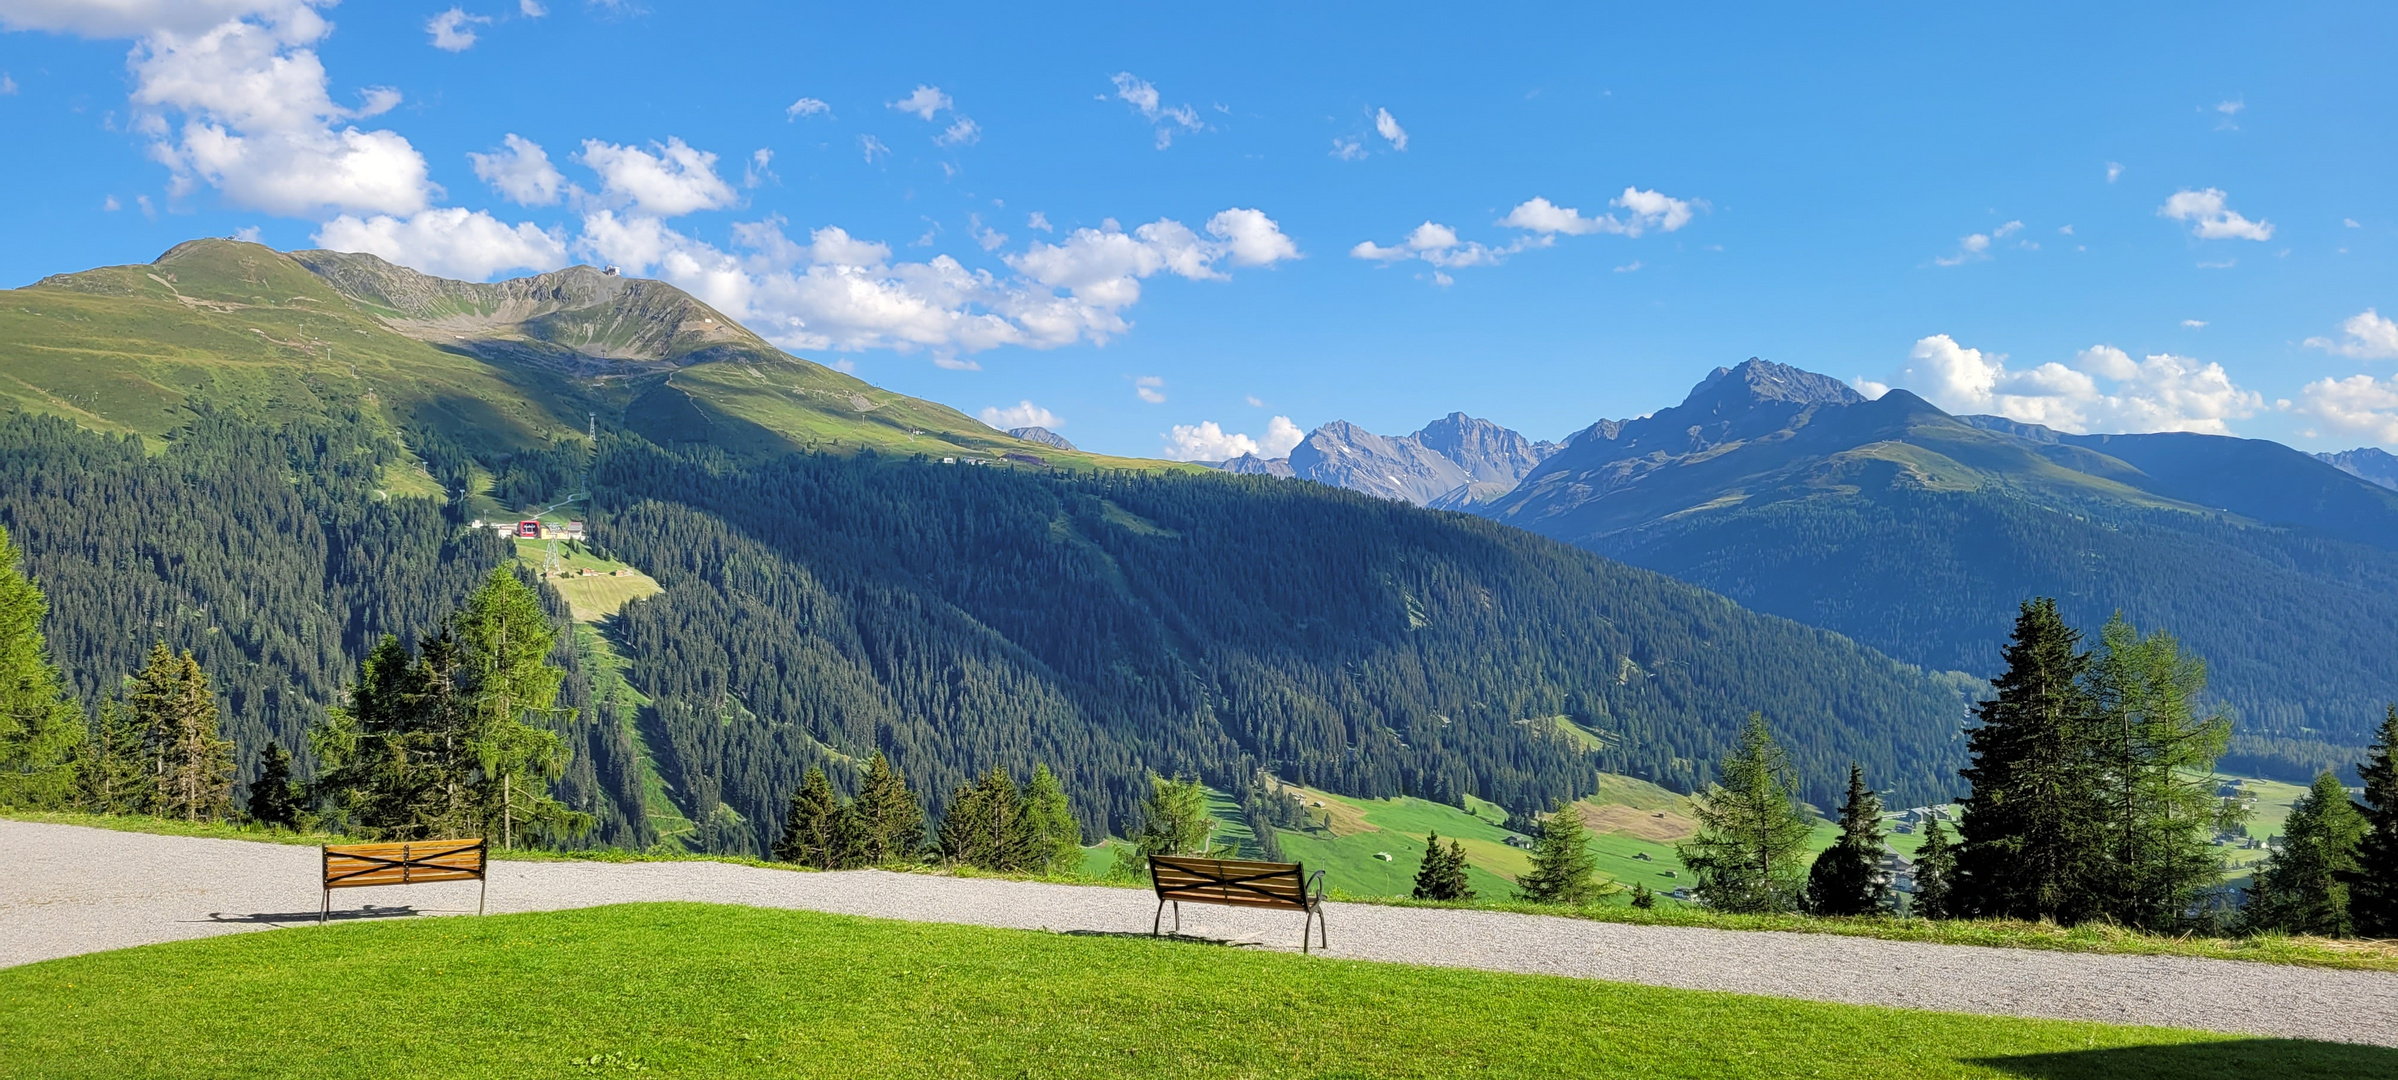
column 1236, row 882
column 349, row 866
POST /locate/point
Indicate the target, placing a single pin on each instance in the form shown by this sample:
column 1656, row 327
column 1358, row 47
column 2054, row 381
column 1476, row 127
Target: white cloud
column 2356, row 405
column 451, row 243
column 760, row 168
column 2369, row 336
column 2006, row 230
column 1256, row 402
column 531, row 9
column 1388, row 127
column 2064, row 230
column 962, row 132
column 1630, row 267
column 837, row 292
column 2351, row 223
column 1647, row 210
column 454, row 30
column 1281, row 435
column 2212, row 218
column 1438, row 245
column 806, row 106
column 110, row 204
column 520, row 171
column 1021, row 415
column 1208, row 441
column 8, row 85
column 1971, row 248
column 1038, row 220
column 926, row 101
column 2230, row 107
column 250, row 234
column 1144, row 98
column 675, row 180
column 1349, row 148
column 1150, row 388
column 2114, row 170
column 873, row 148
column 2160, row 393
column 2194, row 324
column 231, row 94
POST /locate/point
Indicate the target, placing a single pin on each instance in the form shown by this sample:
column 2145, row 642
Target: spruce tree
column 2155, row 759
column 504, row 642
column 2032, row 837
column 39, row 728
column 191, row 760
column 812, row 829
column 1849, row 878
column 889, row 822
column 374, row 769
column 1749, row 853
column 984, row 826
column 1935, row 873
column 1053, row 838
column 2373, row 885
column 1174, row 818
column 1563, row 868
column 1441, row 876
column 274, row 800
column 112, row 768
column 1642, row 897
column 2303, row 888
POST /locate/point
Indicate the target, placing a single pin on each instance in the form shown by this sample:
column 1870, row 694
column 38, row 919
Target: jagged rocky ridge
column 1453, row 463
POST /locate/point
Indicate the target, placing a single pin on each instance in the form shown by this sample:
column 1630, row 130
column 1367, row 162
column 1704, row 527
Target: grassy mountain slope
column 1918, row 532
column 509, row 366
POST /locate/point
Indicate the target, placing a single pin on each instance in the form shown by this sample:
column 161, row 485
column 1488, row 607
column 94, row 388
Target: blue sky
column 1142, row 222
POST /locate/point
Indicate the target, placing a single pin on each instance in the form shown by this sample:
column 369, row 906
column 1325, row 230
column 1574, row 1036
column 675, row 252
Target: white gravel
column 66, row 890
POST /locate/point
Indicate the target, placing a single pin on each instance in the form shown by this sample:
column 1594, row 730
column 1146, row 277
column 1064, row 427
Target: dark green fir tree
column 2033, row 836
column 889, row 822
column 2303, row 888
column 1563, row 868
column 1935, row 872
column 1053, row 839
column 39, row 728
column 2373, row 885
column 275, row 800
column 1850, row 877
column 816, row 829
column 1442, row 874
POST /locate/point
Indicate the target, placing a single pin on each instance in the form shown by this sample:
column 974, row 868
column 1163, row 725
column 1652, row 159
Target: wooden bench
column 353, row 866
column 1196, row 879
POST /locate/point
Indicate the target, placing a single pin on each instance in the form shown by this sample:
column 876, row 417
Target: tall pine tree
column 274, row 800
column 2303, row 888
column 2155, row 759
column 1849, row 878
column 2033, row 837
column 1174, row 819
column 1442, row 874
column 815, row 831
column 889, row 821
column 1749, row 853
column 1563, row 868
column 39, row 728
column 112, row 765
column 2373, row 885
column 985, row 826
column 191, row 760
column 1935, row 873
column 1054, row 838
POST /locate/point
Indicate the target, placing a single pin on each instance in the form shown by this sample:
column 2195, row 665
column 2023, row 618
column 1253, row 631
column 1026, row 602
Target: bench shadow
column 1187, row 939
column 2235, row 1059
column 370, row 911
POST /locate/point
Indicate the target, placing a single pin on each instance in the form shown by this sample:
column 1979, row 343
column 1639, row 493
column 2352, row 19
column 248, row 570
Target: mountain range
column 273, row 460
column 1453, row 463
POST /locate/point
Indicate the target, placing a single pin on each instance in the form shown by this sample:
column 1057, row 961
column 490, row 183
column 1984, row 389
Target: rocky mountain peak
column 1756, row 381
column 1041, row 435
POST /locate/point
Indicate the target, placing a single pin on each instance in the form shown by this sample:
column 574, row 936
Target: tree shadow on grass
column 1187, row 939
column 2236, row 1059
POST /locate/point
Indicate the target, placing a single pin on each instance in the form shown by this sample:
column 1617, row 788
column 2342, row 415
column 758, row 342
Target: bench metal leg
column 481, row 895
column 323, row 912
column 1160, row 921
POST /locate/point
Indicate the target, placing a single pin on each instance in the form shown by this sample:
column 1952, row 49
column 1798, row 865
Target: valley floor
column 69, row 890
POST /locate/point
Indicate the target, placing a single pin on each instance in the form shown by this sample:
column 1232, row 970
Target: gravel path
column 66, row 890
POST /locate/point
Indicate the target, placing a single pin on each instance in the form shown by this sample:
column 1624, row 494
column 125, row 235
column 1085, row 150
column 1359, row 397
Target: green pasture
column 700, row 990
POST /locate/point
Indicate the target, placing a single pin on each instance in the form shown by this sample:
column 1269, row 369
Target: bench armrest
column 1314, row 890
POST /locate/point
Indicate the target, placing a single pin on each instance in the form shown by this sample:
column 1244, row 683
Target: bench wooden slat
column 351, row 866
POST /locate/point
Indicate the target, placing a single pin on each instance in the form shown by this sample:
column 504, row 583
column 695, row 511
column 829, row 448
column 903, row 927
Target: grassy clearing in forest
column 705, row 990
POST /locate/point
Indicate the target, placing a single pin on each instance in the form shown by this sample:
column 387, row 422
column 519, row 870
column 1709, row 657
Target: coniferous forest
column 819, row 608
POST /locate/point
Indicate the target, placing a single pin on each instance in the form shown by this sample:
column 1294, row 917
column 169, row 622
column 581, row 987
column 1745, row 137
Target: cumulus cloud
column 1438, row 244
column 2103, row 389
column 454, row 30
column 452, row 242
column 1388, row 127
column 531, row 9
column 1038, row 220
column 2211, row 217
column 1150, row 388
column 8, row 85
column 838, row 292
column 2366, row 335
column 674, row 180
column 873, row 148
column 926, row 101
column 520, row 170
column 1349, row 148
column 232, row 95
column 2358, row 405
column 1167, row 120
column 1208, row 441
column 961, row 132
column 1645, row 210
column 806, row 106
column 2114, row 171
column 1021, row 415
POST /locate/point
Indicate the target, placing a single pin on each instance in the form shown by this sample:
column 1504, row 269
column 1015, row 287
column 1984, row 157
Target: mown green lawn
column 701, row 990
